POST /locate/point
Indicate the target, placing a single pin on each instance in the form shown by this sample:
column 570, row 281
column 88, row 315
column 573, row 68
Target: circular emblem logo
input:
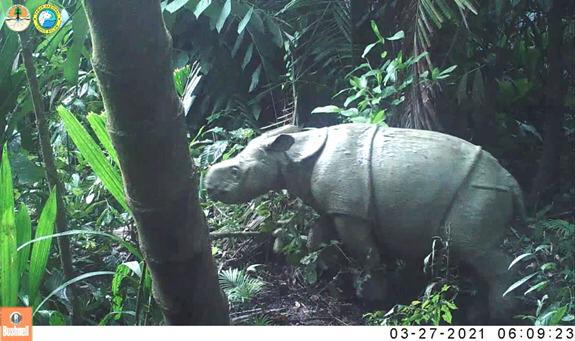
column 47, row 18
column 16, row 317
column 18, row 18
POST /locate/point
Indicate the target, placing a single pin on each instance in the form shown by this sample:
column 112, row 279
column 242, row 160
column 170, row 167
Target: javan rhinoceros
column 388, row 190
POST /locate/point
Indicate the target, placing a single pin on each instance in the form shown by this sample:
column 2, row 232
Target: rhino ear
column 281, row 143
column 300, row 146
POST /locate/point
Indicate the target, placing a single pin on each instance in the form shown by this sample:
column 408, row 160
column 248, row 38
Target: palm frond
column 422, row 18
column 239, row 286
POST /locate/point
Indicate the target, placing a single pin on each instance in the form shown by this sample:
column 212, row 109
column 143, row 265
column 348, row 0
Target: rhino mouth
column 226, row 196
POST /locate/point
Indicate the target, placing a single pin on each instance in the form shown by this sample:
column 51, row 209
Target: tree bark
column 51, row 172
column 132, row 58
column 546, row 183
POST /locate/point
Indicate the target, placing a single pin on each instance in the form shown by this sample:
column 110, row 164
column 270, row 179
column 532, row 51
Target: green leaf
column 375, row 30
column 98, row 124
column 537, row 287
column 379, row 117
column 467, row 4
column 255, row 78
column 181, row 76
column 41, row 250
column 367, row 49
column 122, row 272
column 73, row 58
column 201, row 7
column 448, row 70
column 6, row 185
column 248, row 56
column 351, row 112
column 353, row 98
column 23, row 235
column 397, row 36
column 519, row 283
column 518, row 259
column 8, row 261
column 91, row 151
column 131, row 248
column 446, row 315
column 327, row 109
column 176, row 5
column 72, row 281
column 4, row 5
column 9, row 274
column 224, row 14
column 246, row 19
column 57, row 319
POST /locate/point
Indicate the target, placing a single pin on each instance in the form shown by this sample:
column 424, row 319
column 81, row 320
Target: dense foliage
column 497, row 73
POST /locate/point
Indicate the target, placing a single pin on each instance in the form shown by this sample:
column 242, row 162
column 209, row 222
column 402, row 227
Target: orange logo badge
column 16, row 323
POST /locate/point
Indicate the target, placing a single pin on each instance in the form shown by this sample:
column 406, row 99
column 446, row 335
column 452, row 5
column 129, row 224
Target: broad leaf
column 255, row 78
column 91, row 151
column 41, row 250
column 201, row 7
column 397, row 36
column 98, row 124
column 367, row 49
column 80, row 32
column 246, row 19
column 224, row 14
column 327, row 109
column 519, row 258
column 176, row 5
column 23, row 235
column 519, row 283
column 9, row 275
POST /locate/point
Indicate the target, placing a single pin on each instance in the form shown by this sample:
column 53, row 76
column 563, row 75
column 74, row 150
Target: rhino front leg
column 321, row 233
column 358, row 239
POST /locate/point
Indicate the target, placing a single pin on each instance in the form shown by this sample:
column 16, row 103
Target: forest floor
column 287, row 299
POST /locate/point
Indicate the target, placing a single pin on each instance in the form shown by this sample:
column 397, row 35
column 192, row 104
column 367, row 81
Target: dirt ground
column 287, row 299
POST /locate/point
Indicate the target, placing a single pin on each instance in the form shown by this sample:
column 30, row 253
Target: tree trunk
column 132, row 59
column 546, row 183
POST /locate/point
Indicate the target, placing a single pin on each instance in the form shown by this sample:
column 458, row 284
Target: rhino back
column 416, row 175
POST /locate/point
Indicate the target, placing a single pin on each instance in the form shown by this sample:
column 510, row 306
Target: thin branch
column 51, row 171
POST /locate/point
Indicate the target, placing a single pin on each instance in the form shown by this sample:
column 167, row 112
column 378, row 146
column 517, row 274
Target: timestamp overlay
column 489, row 333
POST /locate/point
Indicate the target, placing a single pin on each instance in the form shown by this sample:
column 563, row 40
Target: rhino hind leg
column 491, row 266
column 476, row 226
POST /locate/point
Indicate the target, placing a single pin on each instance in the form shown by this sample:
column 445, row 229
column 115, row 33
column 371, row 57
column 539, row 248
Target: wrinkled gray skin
column 388, row 191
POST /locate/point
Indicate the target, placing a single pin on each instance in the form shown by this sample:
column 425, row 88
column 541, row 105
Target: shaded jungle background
column 496, row 73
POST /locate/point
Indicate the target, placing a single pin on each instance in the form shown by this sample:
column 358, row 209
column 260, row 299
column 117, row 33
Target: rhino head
column 259, row 167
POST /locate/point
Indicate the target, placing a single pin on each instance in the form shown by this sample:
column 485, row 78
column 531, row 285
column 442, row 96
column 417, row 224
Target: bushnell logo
column 16, row 318
column 16, row 324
